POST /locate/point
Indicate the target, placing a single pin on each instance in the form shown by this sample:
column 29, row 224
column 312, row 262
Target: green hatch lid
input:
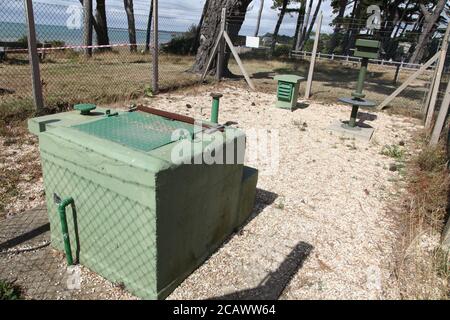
column 292, row 78
column 137, row 130
column 85, row 108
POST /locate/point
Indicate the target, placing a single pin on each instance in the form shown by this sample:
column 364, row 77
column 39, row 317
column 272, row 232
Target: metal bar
column 34, row 59
column 313, row 57
column 437, row 82
column 408, row 81
column 238, row 60
column 172, row 116
column 155, row 49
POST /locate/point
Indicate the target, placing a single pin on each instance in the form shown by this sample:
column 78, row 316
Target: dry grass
column 422, row 268
column 120, row 75
column 19, row 168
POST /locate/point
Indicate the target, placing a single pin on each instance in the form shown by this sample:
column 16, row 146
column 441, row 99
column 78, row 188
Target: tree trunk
column 149, row 28
column 131, row 24
column 299, row 26
column 313, row 21
column 87, row 26
column 430, row 20
column 352, row 28
column 94, row 22
column 258, row 20
column 211, row 27
column 305, row 25
column 277, row 27
column 338, row 26
column 102, row 25
column 196, row 42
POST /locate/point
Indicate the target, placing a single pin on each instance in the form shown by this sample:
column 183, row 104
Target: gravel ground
column 329, row 233
column 321, row 227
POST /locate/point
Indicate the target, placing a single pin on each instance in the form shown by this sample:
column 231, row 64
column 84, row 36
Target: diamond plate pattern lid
column 136, row 130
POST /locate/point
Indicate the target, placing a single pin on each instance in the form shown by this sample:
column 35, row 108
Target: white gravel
column 333, row 196
column 328, row 234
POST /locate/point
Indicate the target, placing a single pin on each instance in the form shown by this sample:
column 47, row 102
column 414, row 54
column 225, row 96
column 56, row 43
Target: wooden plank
column 313, row 57
column 155, row 49
column 430, row 91
column 238, row 60
column 422, row 69
column 437, row 81
column 441, row 117
column 211, row 57
column 221, row 49
column 34, row 58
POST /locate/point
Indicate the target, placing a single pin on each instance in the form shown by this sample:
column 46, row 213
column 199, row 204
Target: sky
column 175, row 15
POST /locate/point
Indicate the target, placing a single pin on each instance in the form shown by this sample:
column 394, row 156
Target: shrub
column 8, row 291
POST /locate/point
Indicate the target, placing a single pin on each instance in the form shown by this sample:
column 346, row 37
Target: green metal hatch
column 137, row 130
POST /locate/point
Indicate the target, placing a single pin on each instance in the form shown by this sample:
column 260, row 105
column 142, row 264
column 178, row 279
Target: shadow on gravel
column 272, row 286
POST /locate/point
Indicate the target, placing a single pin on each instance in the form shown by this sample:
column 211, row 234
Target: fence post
column 87, row 32
column 441, row 117
column 34, row 58
column 313, row 57
column 437, row 81
column 221, row 51
column 155, row 49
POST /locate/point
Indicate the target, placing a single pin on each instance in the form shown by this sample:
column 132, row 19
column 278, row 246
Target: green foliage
column 182, row 44
column 393, row 151
column 8, row 291
column 23, row 41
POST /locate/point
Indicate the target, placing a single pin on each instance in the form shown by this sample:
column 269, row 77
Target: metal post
column 87, row 9
column 221, row 51
column 437, row 82
column 215, row 107
column 34, row 59
column 361, row 78
column 442, row 116
column 155, row 49
column 313, row 57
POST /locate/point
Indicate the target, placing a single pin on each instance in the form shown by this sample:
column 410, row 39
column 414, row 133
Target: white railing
column 388, row 63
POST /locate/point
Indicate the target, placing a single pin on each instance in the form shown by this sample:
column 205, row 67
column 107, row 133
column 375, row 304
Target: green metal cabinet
column 139, row 219
column 287, row 91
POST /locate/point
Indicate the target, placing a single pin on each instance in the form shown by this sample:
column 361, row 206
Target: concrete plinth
column 362, row 133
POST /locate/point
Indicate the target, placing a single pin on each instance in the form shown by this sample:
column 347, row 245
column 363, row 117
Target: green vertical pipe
column 215, row 107
column 65, row 230
column 352, row 122
column 361, row 78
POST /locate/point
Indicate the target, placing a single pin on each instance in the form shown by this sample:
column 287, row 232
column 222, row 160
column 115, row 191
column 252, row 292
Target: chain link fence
column 117, row 71
column 120, row 72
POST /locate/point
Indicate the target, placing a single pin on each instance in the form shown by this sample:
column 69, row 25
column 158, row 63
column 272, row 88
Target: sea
column 12, row 31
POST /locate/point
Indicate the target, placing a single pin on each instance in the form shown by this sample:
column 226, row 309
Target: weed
column 8, row 291
column 393, row 151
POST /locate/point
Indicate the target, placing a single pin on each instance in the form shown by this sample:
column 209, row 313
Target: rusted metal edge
column 174, row 116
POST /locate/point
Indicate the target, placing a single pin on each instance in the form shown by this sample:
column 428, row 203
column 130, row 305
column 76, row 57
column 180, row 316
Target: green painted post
column 358, row 94
column 65, row 230
column 215, row 107
column 365, row 49
column 361, row 78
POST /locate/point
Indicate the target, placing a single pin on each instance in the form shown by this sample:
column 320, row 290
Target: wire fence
column 117, row 71
column 121, row 72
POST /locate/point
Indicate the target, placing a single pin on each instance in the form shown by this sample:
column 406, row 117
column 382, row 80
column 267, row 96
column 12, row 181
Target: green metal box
column 140, row 218
column 287, row 91
column 366, row 48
